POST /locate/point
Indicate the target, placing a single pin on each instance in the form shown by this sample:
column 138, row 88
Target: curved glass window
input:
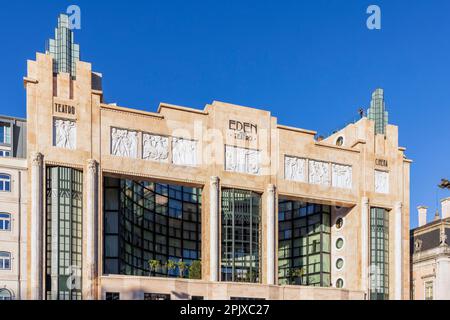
column 151, row 229
column 5, row 222
column 5, row 182
column 5, row 294
column 304, row 244
column 5, row 261
column 241, row 218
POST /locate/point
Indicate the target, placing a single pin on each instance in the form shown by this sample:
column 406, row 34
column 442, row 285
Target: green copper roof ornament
column 64, row 51
column 377, row 111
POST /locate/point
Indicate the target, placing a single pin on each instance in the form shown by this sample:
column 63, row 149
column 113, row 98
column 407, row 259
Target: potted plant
column 195, row 270
column 170, row 265
column 182, row 266
column 154, row 265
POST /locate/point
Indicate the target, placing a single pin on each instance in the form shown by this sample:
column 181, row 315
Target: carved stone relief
column 65, row 134
column 295, row 169
column 242, row 160
column 124, row 143
column 184, row 152
column 381, row 182
column 342, row 176
column 319, row 173
column 155, row 148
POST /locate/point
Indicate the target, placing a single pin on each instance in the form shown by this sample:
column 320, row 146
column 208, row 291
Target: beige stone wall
column 210, row 127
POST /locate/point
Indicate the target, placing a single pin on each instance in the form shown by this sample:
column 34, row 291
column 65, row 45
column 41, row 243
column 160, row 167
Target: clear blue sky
column 312, row 63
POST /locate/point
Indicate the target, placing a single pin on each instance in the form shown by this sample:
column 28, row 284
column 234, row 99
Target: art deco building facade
column 219, row 203
column 13, row 209
column 430, row 256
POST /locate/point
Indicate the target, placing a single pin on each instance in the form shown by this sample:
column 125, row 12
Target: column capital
column 214, row 181
column 92, row 166
column 271, row 188
column 37, row 159
column 365, row 200
column 398, row 205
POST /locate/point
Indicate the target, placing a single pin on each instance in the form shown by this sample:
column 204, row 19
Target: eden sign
column 243, row 130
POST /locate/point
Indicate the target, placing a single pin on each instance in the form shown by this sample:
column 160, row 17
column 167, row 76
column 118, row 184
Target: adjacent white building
column 430, row 256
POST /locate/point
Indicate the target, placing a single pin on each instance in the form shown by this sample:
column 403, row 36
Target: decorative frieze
column 184, row 152
column 64, row 134
column 155, row 148
column 295, row 169
column 319, row 173
column 242, row 160
column 341, row 176
column 381, row 182
column 124, row 143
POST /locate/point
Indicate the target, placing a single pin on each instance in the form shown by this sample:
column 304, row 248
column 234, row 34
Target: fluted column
column 91, row 229
column 36, row 226
column 271, row 234
column 398, row 251
column 364, row 243
column 214, row 229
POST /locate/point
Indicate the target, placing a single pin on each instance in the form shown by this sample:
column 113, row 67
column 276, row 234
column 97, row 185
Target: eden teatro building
column 219, row 203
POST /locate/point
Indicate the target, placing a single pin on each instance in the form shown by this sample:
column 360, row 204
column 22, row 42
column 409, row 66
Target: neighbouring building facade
column 13, row 209
column 430, row 256
column 219, row 203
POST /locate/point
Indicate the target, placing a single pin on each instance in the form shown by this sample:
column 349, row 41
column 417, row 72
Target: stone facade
column 221, row 146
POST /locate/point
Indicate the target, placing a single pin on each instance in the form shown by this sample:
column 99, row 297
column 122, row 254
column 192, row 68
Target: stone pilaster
column 364, row 244
column 398, row 251
column 214, row 229
column 37, row 163
column 91, row 230
column 271, row 234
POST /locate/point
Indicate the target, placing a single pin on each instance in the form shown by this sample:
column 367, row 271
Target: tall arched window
column 5, row 222
column 5, row 182
column 5, row 260
column 5, row 294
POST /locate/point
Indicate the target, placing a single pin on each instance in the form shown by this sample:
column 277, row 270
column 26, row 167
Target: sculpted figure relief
column 381, row 182
column 65, row 134
column 184, row 152
column 342, row 176
column 155, row 148
column 319, row 172
column 295, row 169
column 124, row 143
column 242, row 160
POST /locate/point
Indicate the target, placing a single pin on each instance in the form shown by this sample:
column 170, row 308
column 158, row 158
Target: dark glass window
column 197, row 298
column 112, row 296
column 151, row 229
column 156, row 296
column 241, row 217
column 379, row 254
column 5, row 261
column 304, row 244
column 64, row 233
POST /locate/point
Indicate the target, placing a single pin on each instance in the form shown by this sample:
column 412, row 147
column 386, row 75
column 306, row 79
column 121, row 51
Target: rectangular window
column 5, row 182
column 5, row 133
column 379, row 254
column 156, row 296
column 5, row 222
column 5, row 261
column 64, row 233
column 304, row 244
column 112, row 296
column 241, row 222
column 429, row 288
column 4, row 153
